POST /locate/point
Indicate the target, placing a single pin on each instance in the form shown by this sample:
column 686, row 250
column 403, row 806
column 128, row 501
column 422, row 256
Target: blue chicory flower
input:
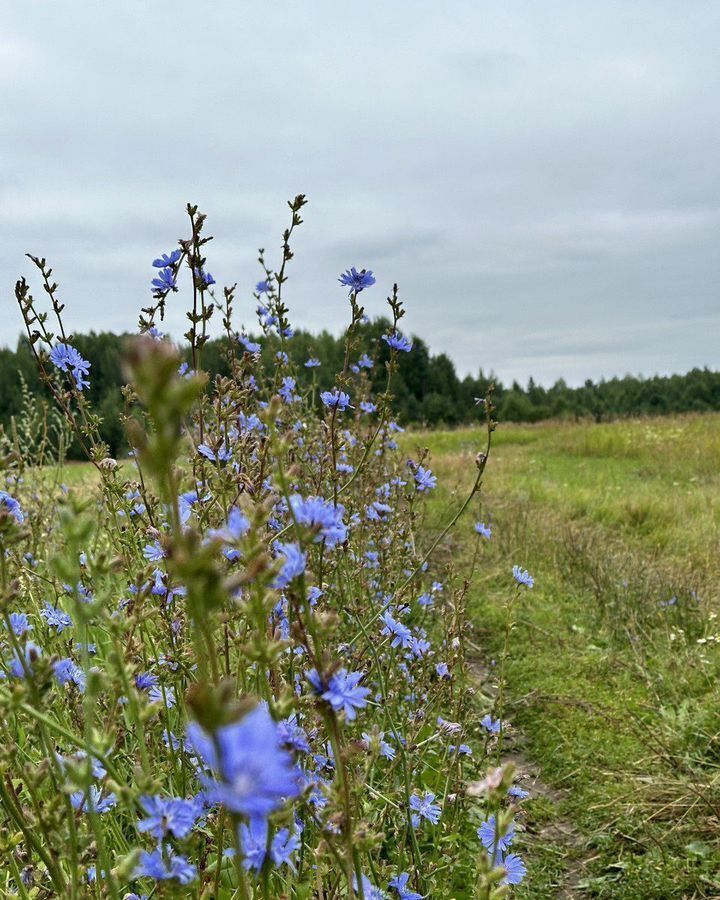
column 19, row 623
column 67, row 359
column 357, row 281
column 253, row 840
column 401, row 634
column 492, row 725
column 322, row 516
column 514, row 868
column 167, row 260
column 168, row 866
column 424, row 807
column 93, row 801
column 169, row 815
column 424, row 479
column 397, row 342
column 342, row 691
column 68, row 672
column 522, row 576
column 335, row 399
column 493, row 842
column 252, row 773
column 294, row 562
column 13, row 506
column 399, row 883
column 164, row 282
column 56, row 618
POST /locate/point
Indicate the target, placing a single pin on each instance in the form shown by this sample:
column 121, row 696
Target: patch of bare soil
column 559, row 833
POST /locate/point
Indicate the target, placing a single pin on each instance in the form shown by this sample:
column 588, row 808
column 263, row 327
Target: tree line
column 426, row 387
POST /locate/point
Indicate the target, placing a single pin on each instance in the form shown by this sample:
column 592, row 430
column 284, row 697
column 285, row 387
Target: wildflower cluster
column 227, row 667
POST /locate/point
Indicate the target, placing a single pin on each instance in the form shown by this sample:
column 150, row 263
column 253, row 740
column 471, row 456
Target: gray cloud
column 541, row 178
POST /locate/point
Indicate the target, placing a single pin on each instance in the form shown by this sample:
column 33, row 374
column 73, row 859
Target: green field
column 612, row 666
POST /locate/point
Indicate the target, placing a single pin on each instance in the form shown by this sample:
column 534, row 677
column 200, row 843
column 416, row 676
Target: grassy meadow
column 611, row 666
column 612, row 662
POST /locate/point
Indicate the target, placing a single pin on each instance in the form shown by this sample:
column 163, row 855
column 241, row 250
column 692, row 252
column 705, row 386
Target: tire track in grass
column 554, row 848
column 552, row 834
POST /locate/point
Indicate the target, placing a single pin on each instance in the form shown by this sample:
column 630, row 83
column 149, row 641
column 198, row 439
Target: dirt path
column 558, row 833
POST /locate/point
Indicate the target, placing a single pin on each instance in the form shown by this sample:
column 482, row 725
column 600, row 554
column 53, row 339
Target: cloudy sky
column 541, row 178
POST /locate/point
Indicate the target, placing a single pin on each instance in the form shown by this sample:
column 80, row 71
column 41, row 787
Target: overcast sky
column 541, row 178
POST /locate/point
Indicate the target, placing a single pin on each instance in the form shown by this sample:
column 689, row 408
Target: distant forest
column 426, row 388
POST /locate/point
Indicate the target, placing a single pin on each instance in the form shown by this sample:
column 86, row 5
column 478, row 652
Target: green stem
column 352, row 853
